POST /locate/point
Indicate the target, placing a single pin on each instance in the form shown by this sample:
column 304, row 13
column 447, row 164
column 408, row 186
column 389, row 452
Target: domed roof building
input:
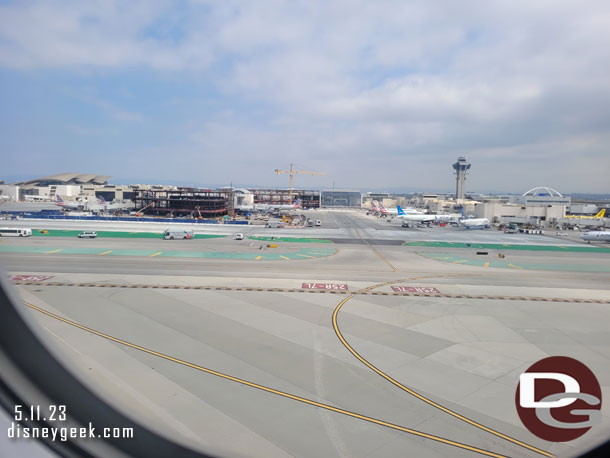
column 542, row 195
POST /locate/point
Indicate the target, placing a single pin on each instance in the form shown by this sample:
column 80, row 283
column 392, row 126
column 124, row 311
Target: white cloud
column 394, row 80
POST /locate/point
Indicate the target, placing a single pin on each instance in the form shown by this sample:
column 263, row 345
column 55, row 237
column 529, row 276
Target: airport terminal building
column 341, row 199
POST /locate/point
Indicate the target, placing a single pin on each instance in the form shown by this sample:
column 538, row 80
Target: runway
column 400, row 354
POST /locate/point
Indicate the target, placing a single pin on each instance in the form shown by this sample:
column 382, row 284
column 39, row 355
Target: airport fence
column 117, row 218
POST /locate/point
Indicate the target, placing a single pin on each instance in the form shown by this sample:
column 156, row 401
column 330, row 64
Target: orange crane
column 139, row 212
column 292, row 172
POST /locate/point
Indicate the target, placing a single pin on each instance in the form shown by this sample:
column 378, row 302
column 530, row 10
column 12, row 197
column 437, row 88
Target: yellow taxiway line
column 413, row 392
column 268, row 389
column 54, row 251
column 105, row 252
column 156, row 254
column 383, row 258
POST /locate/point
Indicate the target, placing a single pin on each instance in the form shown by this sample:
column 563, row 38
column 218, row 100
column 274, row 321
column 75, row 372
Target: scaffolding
column 185, row 202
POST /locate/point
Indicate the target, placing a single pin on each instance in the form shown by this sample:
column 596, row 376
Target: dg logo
column 558, row 399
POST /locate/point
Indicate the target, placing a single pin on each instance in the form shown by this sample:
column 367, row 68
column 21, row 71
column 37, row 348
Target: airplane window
column 273, row 229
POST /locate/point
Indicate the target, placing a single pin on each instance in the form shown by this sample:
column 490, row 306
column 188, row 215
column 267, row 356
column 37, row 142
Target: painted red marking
column 332, row 286
column 415, row 289
column 30, row 277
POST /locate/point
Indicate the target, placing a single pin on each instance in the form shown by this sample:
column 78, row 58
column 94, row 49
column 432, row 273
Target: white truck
column 171, row 234
column 274, row 224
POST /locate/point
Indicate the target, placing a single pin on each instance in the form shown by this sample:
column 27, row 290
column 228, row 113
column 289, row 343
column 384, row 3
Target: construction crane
column 140, row 212
column 292, row 172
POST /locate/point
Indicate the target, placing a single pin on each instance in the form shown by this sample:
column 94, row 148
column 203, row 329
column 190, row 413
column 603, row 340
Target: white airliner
column 374, row 207
column 596, row 236
column 396, row 211
column 475, row 223
column 92, row 206
column 416, row 216
column 69, row 205
column 272, row 207
column 32, row 198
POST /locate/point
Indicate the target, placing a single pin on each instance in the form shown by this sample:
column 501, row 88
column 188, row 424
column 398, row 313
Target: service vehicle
column 238, row 236
column 87, row 235
column 15, row 232
column 318, row 223
column 171, row 234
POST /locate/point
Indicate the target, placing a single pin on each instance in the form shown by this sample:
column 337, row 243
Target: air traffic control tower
column 461, row 167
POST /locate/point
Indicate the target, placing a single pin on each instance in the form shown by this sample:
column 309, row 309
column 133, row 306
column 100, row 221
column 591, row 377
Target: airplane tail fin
column 401, row 212
column 60, row 201
column 102, row 200
column 601, row 213
column 297, row 203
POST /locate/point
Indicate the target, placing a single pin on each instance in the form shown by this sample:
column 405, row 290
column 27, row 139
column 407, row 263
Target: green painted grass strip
column 500, row 246
column 114, row 234
column 289, row 239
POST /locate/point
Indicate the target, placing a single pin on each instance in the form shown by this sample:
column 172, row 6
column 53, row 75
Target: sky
column 377, row 95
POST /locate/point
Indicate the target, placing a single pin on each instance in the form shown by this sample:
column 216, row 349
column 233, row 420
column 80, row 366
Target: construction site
column 185, row 202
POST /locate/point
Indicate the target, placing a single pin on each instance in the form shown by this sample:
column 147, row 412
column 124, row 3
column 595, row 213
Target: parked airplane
column 92, row 206
column 600, row 214
column 271, row 207
column 475, row 223
column 375, row 209
column 448, row 217
column 596, row 236
column 396, row 211
column 69, row 205
column 114, row 205
column 415, row 217
column 31, row 198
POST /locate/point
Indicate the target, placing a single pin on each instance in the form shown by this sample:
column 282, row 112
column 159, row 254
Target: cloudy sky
column 382, row 94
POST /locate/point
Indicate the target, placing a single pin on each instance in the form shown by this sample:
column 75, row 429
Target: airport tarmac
column 404, row 354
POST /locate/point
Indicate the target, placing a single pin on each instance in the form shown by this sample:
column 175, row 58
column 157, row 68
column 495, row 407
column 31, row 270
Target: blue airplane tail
column 400, row 210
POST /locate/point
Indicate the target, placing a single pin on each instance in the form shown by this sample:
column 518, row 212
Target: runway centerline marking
column 266, row 388
column 411, row 391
